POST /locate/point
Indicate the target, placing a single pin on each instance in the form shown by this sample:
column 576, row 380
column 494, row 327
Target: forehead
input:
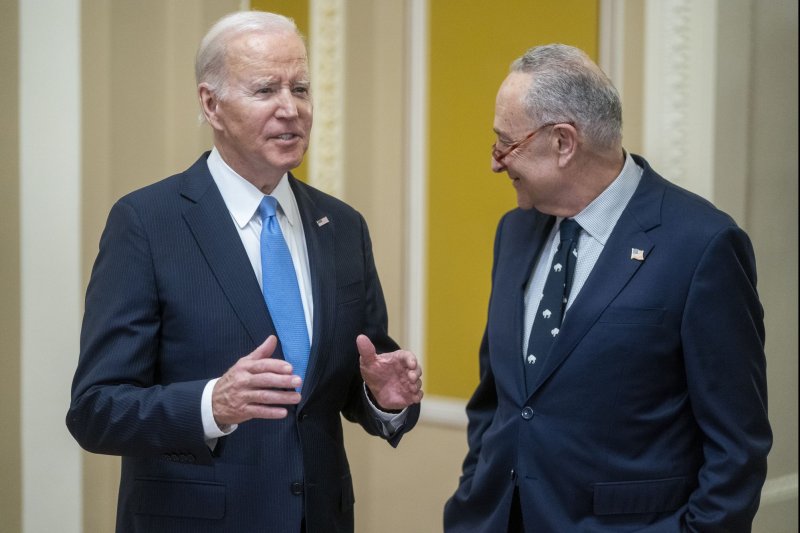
column 260, row 53
column 510, row 110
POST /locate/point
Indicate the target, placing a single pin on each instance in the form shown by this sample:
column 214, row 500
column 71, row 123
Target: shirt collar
column 242, row 197
column 600, row 216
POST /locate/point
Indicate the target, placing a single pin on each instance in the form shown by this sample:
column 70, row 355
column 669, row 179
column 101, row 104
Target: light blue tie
column 281, row 291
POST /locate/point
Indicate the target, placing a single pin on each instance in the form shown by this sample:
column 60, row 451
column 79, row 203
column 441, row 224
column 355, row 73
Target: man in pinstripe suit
column 180, row 370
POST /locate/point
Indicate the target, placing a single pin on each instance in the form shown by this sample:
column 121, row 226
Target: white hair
column 210, row 64
column 567, row 86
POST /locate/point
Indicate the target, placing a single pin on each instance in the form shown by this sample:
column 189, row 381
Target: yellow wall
column 472, row 44
column 297, row 10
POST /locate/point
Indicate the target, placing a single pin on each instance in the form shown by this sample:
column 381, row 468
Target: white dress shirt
column 597, row 221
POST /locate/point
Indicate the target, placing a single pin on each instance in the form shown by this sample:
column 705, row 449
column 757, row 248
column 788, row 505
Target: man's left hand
column 392, row 378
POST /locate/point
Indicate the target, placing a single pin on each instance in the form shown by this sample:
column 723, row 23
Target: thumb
column 365, row 348
column 265, row 350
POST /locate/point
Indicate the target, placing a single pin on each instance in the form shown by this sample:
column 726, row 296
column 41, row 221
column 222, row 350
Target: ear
column 567, row 142
column 209, row 103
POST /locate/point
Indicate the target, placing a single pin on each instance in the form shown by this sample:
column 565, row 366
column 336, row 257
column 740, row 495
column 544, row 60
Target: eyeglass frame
column 499, row 156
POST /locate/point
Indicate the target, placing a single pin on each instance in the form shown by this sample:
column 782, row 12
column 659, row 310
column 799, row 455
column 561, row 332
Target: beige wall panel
column 771, row 221
column 10, row 449
column 375, row 133
column 404, row 490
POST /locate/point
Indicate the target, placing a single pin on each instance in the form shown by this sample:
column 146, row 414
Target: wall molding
column 612, row 42
column 417, row 178
column 679, row 87
column 327, row 63
column 444, row 411
column 780, row 489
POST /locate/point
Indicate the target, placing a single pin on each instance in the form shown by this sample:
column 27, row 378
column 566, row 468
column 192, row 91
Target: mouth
column 286, row 137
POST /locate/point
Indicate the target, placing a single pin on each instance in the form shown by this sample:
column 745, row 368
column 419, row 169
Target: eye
column 265, row 90
column 300, row 89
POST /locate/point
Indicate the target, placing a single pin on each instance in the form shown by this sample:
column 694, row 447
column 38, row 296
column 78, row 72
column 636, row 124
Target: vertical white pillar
column 50, row 187
column 417, row 177
column 326, row 51
column 679, row 87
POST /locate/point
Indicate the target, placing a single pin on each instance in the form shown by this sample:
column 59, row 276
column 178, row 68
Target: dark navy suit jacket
column 173, row 302
column 650, row 413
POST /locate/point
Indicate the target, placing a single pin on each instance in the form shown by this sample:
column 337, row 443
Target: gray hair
column 210, row 65
column 567, row 86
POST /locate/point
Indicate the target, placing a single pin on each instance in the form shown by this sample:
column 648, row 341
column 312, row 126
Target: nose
column 287, row 108
column 497, row 166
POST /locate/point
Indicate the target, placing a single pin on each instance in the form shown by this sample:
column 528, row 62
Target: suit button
column 527, row 413
column 296, row 488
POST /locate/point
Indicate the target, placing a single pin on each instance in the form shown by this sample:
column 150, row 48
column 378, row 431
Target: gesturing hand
column 392, row 378
column 254, row 386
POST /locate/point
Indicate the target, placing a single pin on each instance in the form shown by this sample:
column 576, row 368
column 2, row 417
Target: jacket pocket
column 632, row 315
column 352, row 292
column 188, row 499
column 651, row 496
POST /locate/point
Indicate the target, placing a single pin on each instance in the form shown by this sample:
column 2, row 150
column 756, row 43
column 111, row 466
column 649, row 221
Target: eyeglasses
column 499, row 155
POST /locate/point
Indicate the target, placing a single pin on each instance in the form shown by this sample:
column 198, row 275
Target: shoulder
column 679, row 208
column 324, row 203
column 171, row 192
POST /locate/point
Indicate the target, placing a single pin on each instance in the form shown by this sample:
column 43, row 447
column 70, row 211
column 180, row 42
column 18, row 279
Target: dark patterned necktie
column 547, row 322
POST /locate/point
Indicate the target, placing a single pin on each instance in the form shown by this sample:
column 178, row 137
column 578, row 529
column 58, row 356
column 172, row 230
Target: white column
column 679, row 87
column 50, row 186
column 326, row 51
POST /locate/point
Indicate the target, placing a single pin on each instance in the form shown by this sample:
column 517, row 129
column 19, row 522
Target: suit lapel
column 213, row 229
column 320, row 230
column 612, row 272
column 528, row 235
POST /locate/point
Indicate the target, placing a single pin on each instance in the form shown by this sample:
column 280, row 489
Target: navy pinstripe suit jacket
column 173, row 302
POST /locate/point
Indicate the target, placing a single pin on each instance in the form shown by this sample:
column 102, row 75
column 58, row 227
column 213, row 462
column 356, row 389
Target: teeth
column 286, row 136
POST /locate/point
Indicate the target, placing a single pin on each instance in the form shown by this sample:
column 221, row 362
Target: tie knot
column 267, row 207
column 569, row 230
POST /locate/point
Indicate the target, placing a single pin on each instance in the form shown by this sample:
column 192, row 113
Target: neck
column 263, row 181
column 590, row 175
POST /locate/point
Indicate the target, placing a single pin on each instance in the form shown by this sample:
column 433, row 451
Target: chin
column 524, row 203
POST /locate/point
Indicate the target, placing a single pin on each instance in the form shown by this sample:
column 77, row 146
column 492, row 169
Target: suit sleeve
column 376, row 324
column 723, row 342
column 117, row 405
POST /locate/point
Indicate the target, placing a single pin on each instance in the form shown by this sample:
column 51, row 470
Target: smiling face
column 532, row 165
column 263, row 120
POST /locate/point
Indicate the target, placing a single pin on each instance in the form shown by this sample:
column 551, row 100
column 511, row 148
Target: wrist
column 377, row 405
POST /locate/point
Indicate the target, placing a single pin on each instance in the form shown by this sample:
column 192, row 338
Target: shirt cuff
column 389, row 422
column 210, row 428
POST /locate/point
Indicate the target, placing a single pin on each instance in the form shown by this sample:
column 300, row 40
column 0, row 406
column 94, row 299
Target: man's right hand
column 255, row 387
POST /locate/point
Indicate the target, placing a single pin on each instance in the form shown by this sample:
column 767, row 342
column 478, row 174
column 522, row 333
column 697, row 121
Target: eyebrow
column 500, row 133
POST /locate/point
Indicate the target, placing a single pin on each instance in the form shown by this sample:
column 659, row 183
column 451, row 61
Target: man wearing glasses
column 622, row 371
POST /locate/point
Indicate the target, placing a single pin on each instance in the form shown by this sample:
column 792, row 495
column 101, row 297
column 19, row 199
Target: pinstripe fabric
column 173, row 302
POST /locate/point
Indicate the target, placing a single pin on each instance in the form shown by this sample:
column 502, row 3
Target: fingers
column 410, row 360
column 366, row 349
column 265, row 350
column 255, row 387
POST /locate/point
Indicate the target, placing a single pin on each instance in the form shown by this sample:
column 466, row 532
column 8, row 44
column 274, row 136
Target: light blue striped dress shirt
column 597, row 221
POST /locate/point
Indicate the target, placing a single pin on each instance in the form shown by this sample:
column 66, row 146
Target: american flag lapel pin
column 637, row 254
column 322, row 221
